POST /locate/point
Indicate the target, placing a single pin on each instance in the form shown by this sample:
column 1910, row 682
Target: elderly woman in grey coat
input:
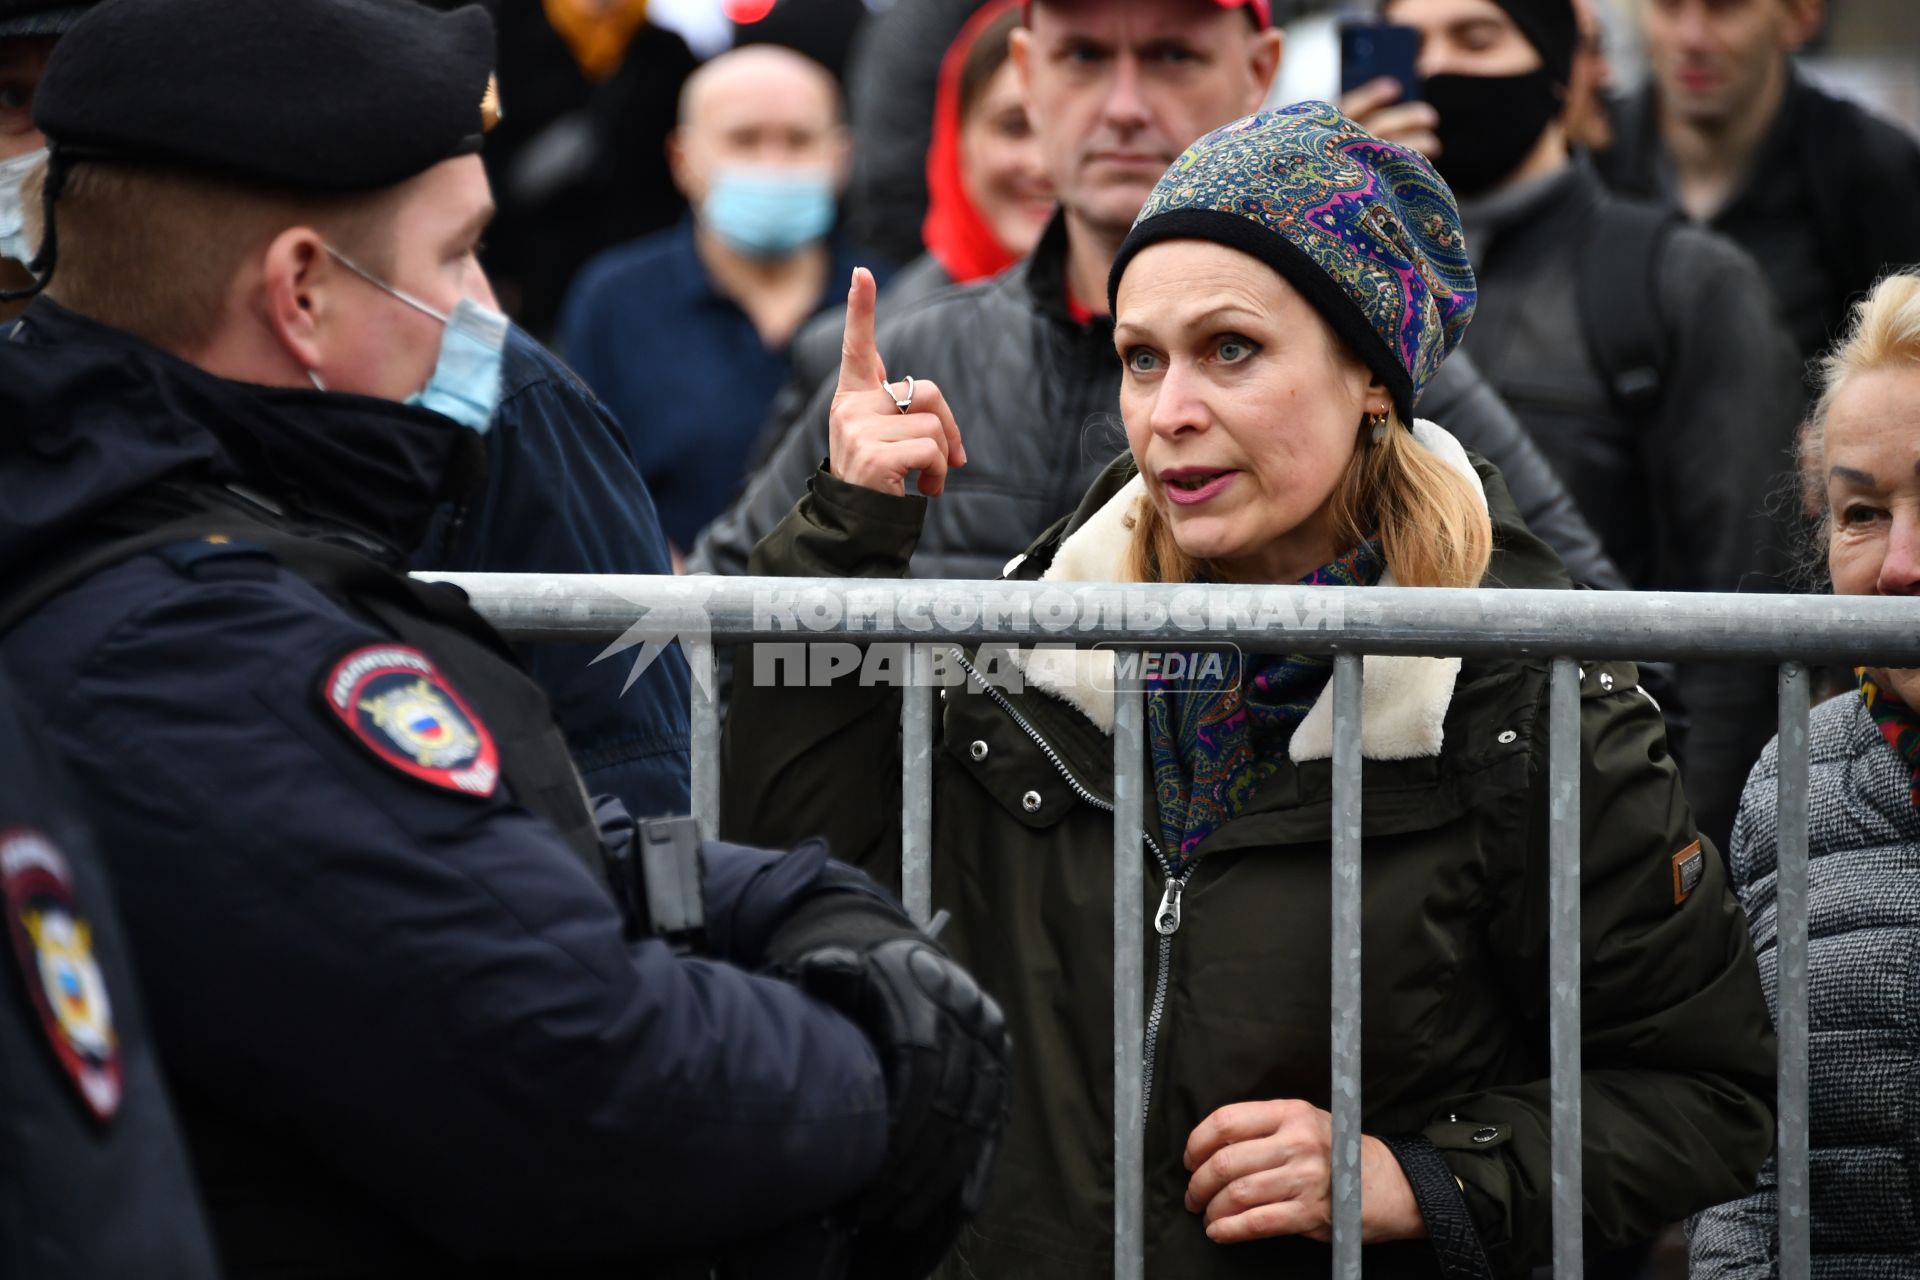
column 1863, row 464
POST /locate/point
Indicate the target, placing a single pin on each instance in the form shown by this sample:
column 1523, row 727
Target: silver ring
column 903, row 403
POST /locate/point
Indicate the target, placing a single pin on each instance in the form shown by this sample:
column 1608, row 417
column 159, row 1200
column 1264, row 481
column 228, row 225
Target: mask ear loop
column 41, row 268
column 384, row 287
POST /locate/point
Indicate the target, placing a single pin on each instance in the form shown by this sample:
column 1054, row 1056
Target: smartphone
column 1371, row 50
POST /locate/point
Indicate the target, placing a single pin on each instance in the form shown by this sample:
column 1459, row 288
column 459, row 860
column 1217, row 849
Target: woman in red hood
column 988, row 198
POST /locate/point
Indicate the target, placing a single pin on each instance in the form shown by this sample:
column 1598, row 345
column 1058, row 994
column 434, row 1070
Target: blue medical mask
column 769, row 213
column 465, row 385
column 15, row 243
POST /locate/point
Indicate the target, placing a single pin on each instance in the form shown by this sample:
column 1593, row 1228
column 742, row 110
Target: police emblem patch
column 53, row 941
column 395, row 702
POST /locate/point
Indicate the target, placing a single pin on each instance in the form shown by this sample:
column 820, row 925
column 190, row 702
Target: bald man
column 684, row 334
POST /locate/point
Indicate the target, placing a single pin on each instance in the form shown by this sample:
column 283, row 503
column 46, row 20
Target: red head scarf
column 954, row 232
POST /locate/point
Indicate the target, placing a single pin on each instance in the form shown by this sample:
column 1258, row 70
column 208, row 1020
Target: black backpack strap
column 1619, row 301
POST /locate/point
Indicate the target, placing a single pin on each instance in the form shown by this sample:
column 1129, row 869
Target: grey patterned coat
column 1864, row 896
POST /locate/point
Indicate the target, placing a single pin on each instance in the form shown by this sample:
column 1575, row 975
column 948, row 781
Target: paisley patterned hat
column 1364, row 229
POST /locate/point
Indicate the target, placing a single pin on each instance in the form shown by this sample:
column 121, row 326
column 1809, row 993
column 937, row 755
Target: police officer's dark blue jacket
column 94, row 1183
column 563, row 495
column 403, row 1024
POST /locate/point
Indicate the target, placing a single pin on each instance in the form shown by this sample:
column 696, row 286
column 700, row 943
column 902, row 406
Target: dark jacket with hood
column 406, row 1029
column 1037, row 396
column 1677, row 1050
column 1826, row 210
column 1680, row 496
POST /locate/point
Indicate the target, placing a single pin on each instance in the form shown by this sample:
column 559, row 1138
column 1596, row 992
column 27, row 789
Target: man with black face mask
column 1648, row 359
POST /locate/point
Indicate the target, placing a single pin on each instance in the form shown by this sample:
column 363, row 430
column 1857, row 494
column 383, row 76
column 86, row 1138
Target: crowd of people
column 350, row 940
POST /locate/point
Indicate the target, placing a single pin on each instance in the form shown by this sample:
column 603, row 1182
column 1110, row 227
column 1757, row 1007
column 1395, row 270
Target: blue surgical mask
column 769, row 213
column 465, row 385
column 15, row 243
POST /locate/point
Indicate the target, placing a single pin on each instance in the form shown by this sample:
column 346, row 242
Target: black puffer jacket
column 1037, row 395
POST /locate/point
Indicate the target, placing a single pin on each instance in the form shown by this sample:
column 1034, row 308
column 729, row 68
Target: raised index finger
column 860, row 367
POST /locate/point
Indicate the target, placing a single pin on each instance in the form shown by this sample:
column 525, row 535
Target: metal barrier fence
column 1564, row 626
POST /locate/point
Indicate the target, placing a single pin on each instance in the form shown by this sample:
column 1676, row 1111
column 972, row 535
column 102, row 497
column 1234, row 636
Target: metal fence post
column 1790, row 918
column 1129, row 985
column 704, row 712
column 1563, row 946
column 1347, row 677
column 916, row 785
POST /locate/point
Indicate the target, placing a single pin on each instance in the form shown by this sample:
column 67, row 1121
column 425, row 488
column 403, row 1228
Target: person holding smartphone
column 1647, row 359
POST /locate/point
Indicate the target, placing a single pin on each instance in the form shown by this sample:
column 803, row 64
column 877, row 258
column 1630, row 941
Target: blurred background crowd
column 896, row 138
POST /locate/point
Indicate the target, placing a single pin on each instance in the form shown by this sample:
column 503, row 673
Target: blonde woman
column 1862, row 468
column 1286, row 292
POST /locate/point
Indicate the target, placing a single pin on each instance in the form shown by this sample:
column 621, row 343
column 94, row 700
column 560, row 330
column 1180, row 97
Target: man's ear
column 1268, row 49
column 296, row 279
column 680, row 166
column 1808, row 17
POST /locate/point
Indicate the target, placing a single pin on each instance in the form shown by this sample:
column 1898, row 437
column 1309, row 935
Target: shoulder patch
column 1689, row 868
column 396, row 704
column 53, row 941
column 194, row 557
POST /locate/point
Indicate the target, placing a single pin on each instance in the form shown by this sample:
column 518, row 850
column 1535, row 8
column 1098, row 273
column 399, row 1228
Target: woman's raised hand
column 871, row 441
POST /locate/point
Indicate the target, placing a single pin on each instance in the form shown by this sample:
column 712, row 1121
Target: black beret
column 39, row 17
column 321, row 95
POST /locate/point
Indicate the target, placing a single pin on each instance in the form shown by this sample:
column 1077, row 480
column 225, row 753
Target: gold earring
column 1378, row 421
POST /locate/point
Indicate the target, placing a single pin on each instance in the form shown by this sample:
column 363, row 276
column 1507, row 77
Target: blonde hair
column 1883, row 332
column 1432, row 528
column 153, row 250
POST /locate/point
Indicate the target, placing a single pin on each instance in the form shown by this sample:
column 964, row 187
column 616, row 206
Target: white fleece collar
column 1403, row 700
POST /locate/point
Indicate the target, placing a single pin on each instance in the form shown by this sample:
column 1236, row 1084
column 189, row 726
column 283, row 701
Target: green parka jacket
column 1677, row 1047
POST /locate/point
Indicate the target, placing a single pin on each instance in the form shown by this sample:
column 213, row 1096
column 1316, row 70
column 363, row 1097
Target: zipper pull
column 1167, row 918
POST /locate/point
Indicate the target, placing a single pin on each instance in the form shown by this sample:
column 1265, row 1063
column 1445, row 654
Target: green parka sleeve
column 791, row 745
column 1677, row 1049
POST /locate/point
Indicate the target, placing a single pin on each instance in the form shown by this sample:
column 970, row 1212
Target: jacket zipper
column 1166, row 917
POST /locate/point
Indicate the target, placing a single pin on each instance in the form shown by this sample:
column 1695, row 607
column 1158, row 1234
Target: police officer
column 410, row 1028
column 93, row 1179
column 562, row 494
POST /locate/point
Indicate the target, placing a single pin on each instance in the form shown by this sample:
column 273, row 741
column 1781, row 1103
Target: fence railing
column 1567, row 627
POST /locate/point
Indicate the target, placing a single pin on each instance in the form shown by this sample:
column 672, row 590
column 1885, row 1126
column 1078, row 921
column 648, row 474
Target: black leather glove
column 944, row 1046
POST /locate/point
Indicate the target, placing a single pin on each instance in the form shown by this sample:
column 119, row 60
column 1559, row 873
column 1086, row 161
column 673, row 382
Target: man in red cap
column 1116, row 90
